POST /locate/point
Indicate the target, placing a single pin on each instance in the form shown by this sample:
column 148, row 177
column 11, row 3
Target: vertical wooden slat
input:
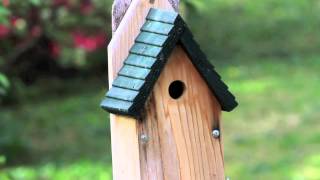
column 124, row 131
column 186, row 147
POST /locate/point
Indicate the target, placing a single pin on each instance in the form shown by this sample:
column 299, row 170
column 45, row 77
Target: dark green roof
column 157, row 39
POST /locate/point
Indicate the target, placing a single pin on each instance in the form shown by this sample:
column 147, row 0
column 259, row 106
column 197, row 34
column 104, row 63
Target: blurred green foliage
column 82, row 170
column 2, row 160
column 57, row 130
column 273, row 134
column 4, row 13
column 63, row 134
column 225, row 28
column 4, row 85
column 76, row 29
column 230, row 28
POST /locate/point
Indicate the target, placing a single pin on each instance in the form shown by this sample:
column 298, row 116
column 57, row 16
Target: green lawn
column 274, row 133
column 58, row 130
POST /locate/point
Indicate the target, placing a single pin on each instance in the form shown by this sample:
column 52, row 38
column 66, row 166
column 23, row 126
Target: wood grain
column 129, row 28
column 125, row 148
column 120, row 7
column 124, row 131
column 181, row 145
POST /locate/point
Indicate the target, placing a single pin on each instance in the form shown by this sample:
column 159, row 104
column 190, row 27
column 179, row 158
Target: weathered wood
column 155, row 49
column 129, row 28
column 133, row 71
column 117, row 104
column 122, row 94
column 145, row 50
column 128, row 83
column 140, row 61
column 119, row 9
column 180, row 145
column 151, row 38
column 157, row 27
column 124, row 132
column 125, row 148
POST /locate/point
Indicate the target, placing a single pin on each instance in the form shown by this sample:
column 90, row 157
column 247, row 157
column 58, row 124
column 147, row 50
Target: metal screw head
column 216, row 133
column 144, row 138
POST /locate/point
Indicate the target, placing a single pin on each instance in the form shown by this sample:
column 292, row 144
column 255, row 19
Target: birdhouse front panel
column 175, row 95
column 180, row 116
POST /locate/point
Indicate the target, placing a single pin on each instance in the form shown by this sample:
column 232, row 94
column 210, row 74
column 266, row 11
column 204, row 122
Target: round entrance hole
column 176, row 89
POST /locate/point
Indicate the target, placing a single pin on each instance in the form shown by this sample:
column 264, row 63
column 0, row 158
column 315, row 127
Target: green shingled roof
column 147, row 57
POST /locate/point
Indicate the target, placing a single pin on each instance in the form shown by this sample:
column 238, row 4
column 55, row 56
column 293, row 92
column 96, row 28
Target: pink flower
column 36, row 31
column 54, row 49
column 13, row 20
column 89, row 43
column 6, row 3
column 4, row 31
column 86, row 7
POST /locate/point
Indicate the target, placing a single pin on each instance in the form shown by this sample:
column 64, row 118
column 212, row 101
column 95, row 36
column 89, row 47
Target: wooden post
column 124, row 131
column 173, row 138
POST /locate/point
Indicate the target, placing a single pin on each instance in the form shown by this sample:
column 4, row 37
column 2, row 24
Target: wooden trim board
column 124, row 131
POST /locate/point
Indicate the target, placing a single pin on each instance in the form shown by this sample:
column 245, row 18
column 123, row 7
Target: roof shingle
column 157, row 39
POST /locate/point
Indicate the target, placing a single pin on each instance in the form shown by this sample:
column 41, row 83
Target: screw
column 216, row 133
column 144, row 138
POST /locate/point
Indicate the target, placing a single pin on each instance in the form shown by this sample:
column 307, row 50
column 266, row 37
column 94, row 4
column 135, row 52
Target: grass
column 59, row 132
column 273, row 134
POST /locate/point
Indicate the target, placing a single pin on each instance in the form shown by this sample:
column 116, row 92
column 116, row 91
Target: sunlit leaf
column 4, row 12
column 4, row 82
column 35, row 2
column 2, row 160
column 198, row 5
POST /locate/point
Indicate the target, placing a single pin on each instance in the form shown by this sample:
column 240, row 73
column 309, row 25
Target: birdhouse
column 172, row 94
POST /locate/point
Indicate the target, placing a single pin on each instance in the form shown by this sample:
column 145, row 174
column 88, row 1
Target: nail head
column 216, row 133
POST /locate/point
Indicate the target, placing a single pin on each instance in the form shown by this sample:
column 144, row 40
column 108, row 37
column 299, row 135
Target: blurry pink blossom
column 86, row 7
column 54, row 49
column 13, row 20
column 89, row 43
column 36, row 31
column 4, row 31
column 6, row 3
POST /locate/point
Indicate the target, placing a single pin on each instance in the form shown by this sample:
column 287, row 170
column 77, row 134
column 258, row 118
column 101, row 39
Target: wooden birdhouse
column 169, row 99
